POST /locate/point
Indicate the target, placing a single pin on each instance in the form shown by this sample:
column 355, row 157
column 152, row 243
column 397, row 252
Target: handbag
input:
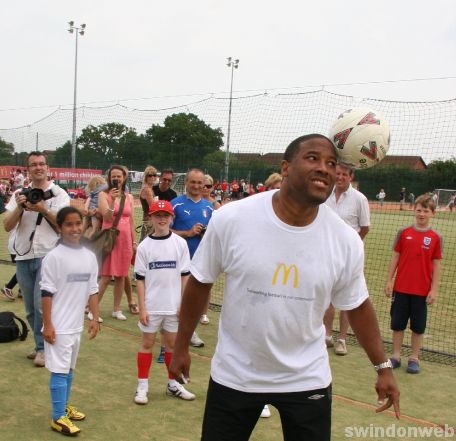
column 102, row 242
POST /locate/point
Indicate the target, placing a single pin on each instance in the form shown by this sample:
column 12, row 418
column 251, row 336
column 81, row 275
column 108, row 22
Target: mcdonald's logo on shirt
column 286, row 274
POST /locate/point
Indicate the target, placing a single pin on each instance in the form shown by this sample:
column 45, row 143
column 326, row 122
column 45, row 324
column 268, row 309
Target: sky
column 140, row 49
column 153, row 55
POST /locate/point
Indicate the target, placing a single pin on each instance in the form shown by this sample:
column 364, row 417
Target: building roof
column 268, row 158
column 413, row 162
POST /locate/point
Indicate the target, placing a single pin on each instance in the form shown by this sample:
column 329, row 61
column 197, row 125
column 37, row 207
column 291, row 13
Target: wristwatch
column 384, row 365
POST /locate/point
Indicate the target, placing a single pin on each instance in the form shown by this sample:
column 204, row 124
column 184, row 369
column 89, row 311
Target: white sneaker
column 196, row 342
column 39, row 359
column 8, row 293
column 31, row 355
column 341, row 347
column 118, row 315
column 141, row 396
column 179, row 391
column 90, row 317
column 204, row 319
column 265, row 413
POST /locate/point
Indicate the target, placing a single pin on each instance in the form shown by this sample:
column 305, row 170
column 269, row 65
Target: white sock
column 143, row 384
column 328, row 337
column 172, row 383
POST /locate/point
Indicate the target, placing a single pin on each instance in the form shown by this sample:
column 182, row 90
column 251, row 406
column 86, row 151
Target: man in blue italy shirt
column 192, row 212
column 191, row 216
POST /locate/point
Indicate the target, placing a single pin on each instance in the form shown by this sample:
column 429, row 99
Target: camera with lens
column 203, row 230
column 35, row 195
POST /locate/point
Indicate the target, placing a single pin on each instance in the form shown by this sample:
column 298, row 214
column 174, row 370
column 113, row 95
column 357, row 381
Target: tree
column 62, row 156
column 442, row 174
column 183, row 141
column 109, row 143
column 213, row 163
column 6, row 152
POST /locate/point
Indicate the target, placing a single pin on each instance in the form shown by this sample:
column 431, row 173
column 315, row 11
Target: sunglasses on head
column 208, row 185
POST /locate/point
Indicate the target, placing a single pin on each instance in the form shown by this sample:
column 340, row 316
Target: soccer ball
column 361, row 136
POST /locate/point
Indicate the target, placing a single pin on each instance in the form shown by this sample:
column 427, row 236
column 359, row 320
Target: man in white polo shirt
column 353, row 208
column 35, row 236
column 291, row 259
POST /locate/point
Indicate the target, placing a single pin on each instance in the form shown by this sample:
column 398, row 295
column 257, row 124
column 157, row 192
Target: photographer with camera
column 33, row 211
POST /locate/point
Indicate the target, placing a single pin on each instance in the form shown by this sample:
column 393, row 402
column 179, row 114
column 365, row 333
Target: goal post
column 444, row 195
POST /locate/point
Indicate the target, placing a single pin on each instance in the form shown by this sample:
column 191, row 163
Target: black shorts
column 231, row 415
column 405, row 307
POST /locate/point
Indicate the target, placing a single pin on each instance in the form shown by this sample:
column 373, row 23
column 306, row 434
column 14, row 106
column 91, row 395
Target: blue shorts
column 405, row 307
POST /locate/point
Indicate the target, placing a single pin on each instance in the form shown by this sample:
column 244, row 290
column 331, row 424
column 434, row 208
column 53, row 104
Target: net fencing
column 423, row 135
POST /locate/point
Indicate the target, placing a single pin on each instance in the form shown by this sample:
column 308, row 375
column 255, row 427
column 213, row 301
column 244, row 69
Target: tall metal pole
column 234, row 65
column 73, row 137
column 78, row 31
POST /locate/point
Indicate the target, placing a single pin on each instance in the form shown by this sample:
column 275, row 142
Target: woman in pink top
column 117, row 263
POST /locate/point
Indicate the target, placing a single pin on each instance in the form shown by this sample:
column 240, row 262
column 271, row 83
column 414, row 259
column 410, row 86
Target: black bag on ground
column 9, row 330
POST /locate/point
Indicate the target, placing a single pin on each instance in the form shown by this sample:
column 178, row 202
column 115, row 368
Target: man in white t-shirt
column 292, row 259
column 35, row 236
column 353, row 208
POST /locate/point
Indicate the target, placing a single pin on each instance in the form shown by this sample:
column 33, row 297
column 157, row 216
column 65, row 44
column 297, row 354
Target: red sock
column 144, row 363
column 168, row 356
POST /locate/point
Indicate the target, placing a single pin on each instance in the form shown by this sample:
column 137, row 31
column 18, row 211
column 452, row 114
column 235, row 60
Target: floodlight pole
column 79, row 31
column 233, row 64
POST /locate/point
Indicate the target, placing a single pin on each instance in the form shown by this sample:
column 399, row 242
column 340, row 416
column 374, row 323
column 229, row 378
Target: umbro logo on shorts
column 315, row 397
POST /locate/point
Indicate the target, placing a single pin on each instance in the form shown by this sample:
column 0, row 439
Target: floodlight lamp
column 236, row 61
column 228, row 61
column 81, row 32
column 71, row 23
column 83, row 26
column 70, row 30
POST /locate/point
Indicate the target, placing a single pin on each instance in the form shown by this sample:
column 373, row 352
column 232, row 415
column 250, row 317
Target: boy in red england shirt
column 417, row 258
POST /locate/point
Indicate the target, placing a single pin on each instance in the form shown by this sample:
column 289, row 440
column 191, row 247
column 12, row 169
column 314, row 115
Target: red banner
column 59, row 174
column 73, row 174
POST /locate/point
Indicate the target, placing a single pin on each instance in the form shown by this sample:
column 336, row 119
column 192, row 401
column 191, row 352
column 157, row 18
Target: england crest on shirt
column 427, row 241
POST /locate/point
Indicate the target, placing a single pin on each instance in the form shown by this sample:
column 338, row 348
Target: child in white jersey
column 161, row 268
column 68, row 280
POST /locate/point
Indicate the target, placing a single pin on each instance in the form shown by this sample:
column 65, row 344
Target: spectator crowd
column 67, row 257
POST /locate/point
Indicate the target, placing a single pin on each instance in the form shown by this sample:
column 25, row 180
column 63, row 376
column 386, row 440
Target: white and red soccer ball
column 361, row 136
